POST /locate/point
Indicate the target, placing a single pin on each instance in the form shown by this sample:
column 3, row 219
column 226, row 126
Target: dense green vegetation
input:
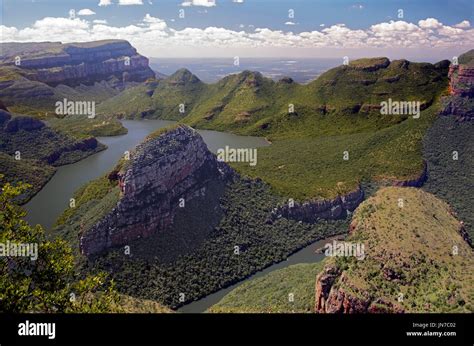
column 190, row 257
column 451, row 177
column 409, row 250
column 285, row 290
column 157, row 98
column 337, row 112
column 49, row 282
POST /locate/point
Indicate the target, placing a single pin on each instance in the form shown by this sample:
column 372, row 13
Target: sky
column 251, row 28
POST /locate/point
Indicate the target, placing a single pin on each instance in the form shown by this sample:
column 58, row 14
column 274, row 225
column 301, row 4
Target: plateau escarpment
column 164, row 172
column 415, row 259
column 34, row 76
column 73, row 64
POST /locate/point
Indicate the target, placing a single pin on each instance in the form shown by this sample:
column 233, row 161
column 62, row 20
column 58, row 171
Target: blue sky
column 21, row 18
column 263, row 13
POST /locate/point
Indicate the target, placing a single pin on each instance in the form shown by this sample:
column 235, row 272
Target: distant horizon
column 429, row 59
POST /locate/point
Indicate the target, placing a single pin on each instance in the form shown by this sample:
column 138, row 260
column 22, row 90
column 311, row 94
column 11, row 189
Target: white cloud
column 463, row 25
column 130, row 2
column 238, row 1
column 99, row 21
column 358, row 6
column 105, row 2
column 430, row 23
column 205, row 3
column 85, row 12
column 290, row 23
column 152, row 35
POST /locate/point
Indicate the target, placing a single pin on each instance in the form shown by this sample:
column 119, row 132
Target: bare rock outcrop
column 311, row 211
column 460, row 102
column 461, row 80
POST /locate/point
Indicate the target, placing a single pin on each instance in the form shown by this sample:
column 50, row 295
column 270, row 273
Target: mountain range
column 331, row 148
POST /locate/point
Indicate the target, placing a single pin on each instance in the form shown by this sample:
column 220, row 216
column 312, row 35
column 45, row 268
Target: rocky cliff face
column 330, row 299
column 311, row 211
column 461, row 80
column 460, row 103
column 80, row 63
column 164, row 170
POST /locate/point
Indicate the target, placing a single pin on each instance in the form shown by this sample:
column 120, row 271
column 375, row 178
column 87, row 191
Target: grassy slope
column 93, row 201
column 415, row 243
column 332, row 115
column 270, row 293
column 157, row 98
column 314, row 167
column 467, row 58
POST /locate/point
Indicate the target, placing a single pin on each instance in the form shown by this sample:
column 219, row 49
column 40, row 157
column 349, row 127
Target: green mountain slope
column 311, row 126
column 157, row 98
